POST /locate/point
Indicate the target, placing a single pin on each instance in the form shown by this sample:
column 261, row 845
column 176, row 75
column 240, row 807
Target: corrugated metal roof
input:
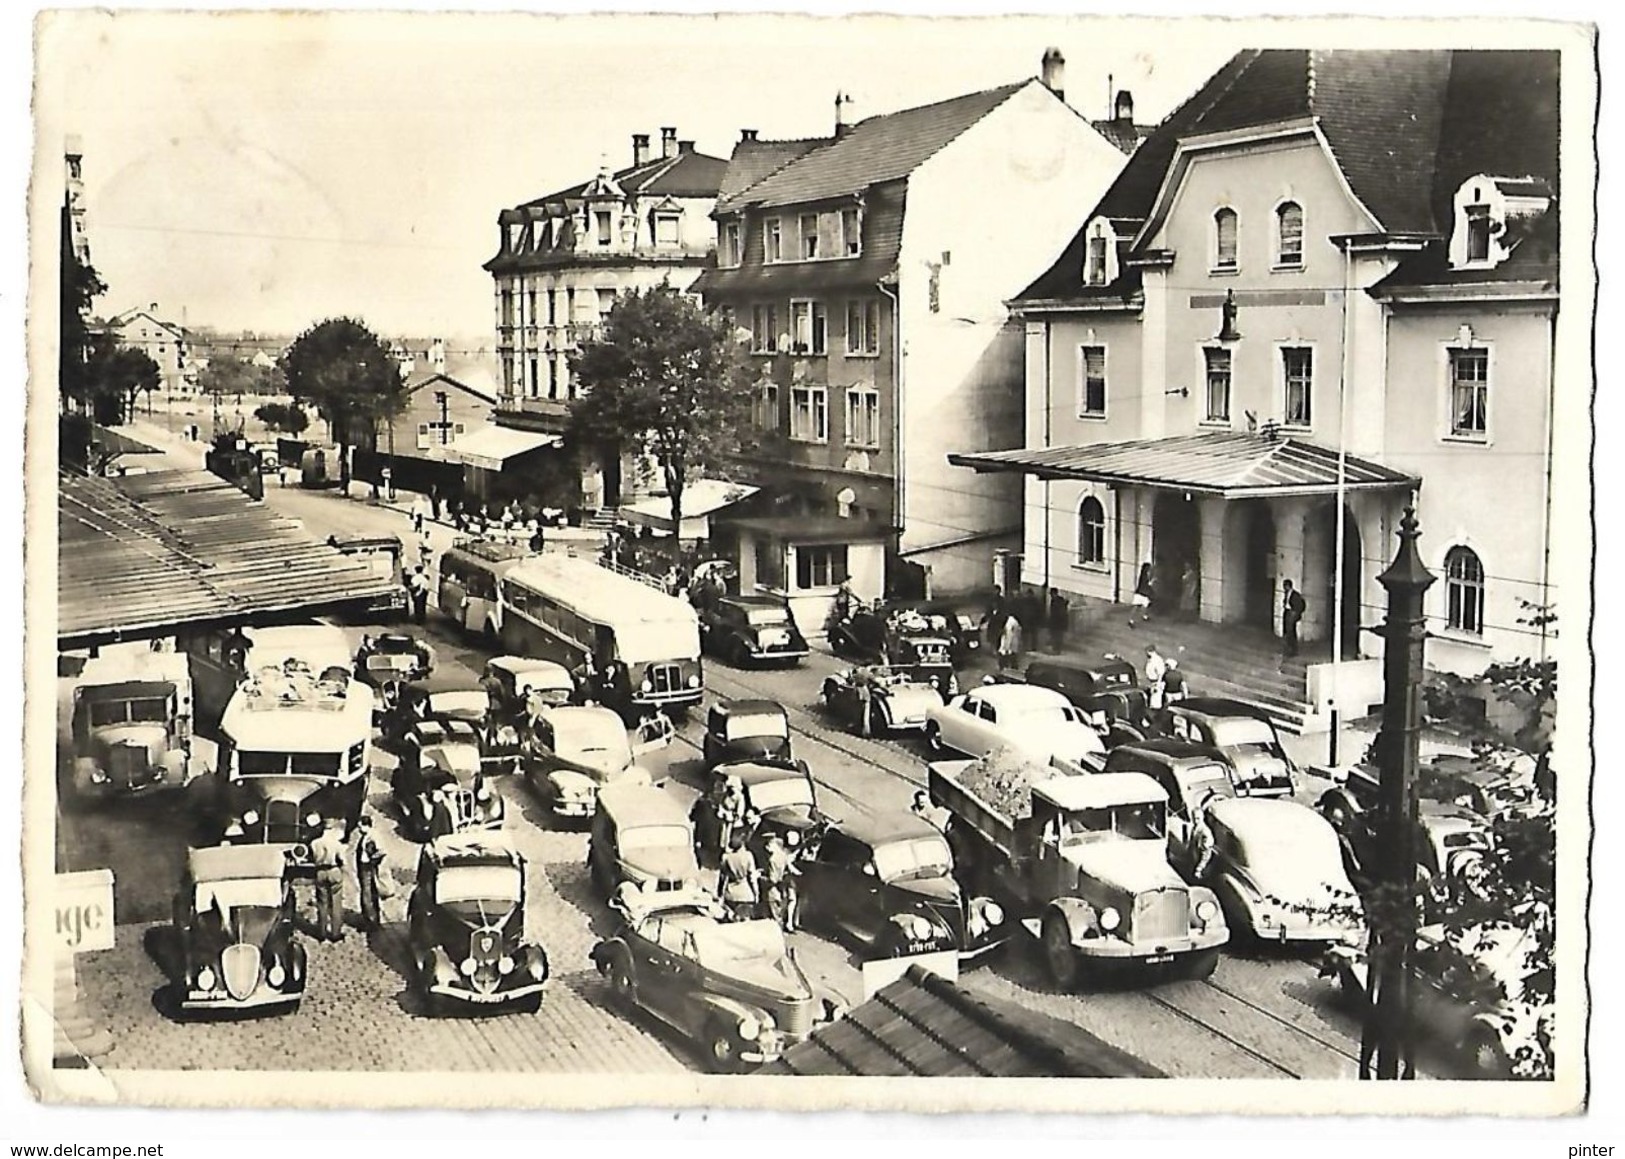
column 143, row 554
column 925, row 1026
column 1222, row 463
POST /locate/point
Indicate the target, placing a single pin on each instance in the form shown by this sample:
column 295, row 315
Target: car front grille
column 796, row 1018
column 1159, row 915
column 127, row 764
column 666, row 677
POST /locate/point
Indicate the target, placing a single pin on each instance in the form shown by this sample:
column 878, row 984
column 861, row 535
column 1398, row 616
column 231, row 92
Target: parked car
column 746, row 629
column 1192, row 775
column 132, row 725
column 1483, row 788
column 466, row 925
column 886, row 880
column 943, row 618
column 441, row 759
column 1450, row 841
column 732, row 988
column 499, row 743
column 641, row 836
column 780, row 793
column 574, row 751
column 1471, row 997
column 1108, row 688
column 1038, row 722
column 1247, row 738
column 234, row 916
column 1278, row 871
column 392, row 657
column 746, row 730
column 877, row 699
column 520, row 684
column 902, row 639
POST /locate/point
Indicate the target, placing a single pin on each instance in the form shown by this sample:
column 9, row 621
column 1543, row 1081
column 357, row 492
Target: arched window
column 1224, row 239
column 1091, row 532
column 1289, row 234
column 1464, row 590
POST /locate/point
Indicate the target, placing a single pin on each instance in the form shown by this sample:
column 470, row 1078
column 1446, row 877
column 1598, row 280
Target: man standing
column 368, row 861
column 781, row 886
column 327, row 853
column 1156, row 670
column 737, row 880
column 1009, row 642
column 1292, row 610
column 434, row 501
column 420, row 512
column 417, row 586
column 1057, row 619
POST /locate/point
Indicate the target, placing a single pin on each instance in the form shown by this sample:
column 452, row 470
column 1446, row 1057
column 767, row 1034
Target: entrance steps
column 604, row 519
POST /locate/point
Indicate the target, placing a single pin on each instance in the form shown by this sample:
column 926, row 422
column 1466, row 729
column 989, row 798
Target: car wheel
column 531, row 1005
column 1060, row 956
column 620, row 981
column 1202, row 964
column 933, row 739
column 721, row 1049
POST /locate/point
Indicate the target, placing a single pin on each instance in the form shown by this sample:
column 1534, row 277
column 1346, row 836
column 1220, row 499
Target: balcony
column 548, row 413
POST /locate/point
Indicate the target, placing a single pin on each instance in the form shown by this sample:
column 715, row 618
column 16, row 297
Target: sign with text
column 84, row 911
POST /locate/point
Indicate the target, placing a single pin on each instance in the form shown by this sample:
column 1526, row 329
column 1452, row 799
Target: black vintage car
column 747, row 629
column 1108, row 687
column 499, row 741
column 391, row 657
column 746, row 730
column 234, row 917
column 466, row 926
column 778, row 793
column 440, row 771
column 1260, row 766
column 942, row 618
column 887, row 882
column 902, row 638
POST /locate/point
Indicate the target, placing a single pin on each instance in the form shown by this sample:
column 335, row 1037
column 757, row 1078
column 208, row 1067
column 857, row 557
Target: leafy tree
column 80, row 287
column 289, row 418
column 344, row 370
column 128, row 372
column 223, row 376
column 667, row 381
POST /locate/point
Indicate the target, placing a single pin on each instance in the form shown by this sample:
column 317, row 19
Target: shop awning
column 491, row 447
column 701, row 499
column 143, row 555
column 1221, row 463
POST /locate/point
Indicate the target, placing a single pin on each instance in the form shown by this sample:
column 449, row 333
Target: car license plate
column 1156, row 959
column 922, row 947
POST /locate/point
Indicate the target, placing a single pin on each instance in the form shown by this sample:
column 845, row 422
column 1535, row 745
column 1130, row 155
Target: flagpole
column 1342, row 498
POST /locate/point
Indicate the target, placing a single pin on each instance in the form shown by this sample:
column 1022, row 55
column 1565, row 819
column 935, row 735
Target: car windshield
column 1197, row 781
column 461, row 704
column 394, row 645
column 1240, row 731
column 767, row 617
column 656, row 837
column 315, row 764
column 916, row 858
column 258, row 764
column 757, row 724
column 230, row 893
column 472, row 883
column 781, row 793
column 1143, row 821
column 143, row 709
column 591, row 733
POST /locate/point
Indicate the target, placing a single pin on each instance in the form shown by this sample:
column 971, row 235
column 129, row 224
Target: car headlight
column 504, row 965
column 1110, row 919
column 276, row 975
column 468, row 966
column 646, row 686
column 234, row 830
column 251, row 818
column 992, row 913
column 483, row 793
column 1206, row 910
column 538, row 966
column 919, row 928
column 205, row 979
column 694, row 681
column 99, row 776
column 313, row 819
column 749, row 1028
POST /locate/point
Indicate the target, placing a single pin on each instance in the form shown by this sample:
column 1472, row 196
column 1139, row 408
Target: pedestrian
column 425, row 548
column 781, row 873
column 538, row 538
column 327, row 854
column 420, row 512
column 1009, row 643
column 737, row 880
column 844, row 601
column 1156, row 671
column 434, row 501
column 993, row 621
column 615, row 686
column 1188, row 595
column 442, row 812
column 1292, row 610
column 1059, row 613
column 1173, row 680
column 587, row 678
column 369, row 860
column 731, row 811
column 417, row 587
column 1141, row 599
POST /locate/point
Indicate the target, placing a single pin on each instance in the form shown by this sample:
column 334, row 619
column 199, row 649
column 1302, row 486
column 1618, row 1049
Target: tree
column 127, row 372
column 80, row 287
column 667, row 381
column 290, row 418
column 344, row 370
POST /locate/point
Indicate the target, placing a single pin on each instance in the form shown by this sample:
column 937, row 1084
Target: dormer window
column 604, row 221
column 1226, row 228
column 1102, row 254
column 1492, row 215
column 667, row 234
column 1289, row 235
column 728, row 244
column 1478, row 233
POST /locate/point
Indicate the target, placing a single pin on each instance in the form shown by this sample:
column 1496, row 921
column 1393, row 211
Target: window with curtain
column 1225, row 234
column 1298, row 381
column 1218, row 384
column 1464, row 590
column 1469, row 393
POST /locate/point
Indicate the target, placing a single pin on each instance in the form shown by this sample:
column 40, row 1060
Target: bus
column 222, row 658
column 561, row 607
column 468, row 583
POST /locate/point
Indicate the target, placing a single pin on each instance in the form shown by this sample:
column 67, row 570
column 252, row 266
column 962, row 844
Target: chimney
column 1053, row 72
column 1123, row 108
column 843, row 107
column 668, row 142
column 747, row 134
column 685, row 146
column 640, row 148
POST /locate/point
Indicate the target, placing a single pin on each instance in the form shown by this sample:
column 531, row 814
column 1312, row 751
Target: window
column 820, row 567
column 863, row 326
column 1218, row 385
column 772, row 241
column 535, row 377
column 728, row 244
column 1478, row 233
column 1469, row 393
column 1097, row 260
column 862, row 417
column 809, row 414
column 1464, row 590
column 1092, row 380
column 764, row 329
column 552, row 377
column 808, row 327
column 809, row 236
column 1091, row 532
column 851, row 233
column 530, row 306
column 1224, row 239
column 606, row 303
column 767, row 406
column 552, row 308
column 602, row 217
column 1289, row 234
column 666, row 233
column 1297, row 377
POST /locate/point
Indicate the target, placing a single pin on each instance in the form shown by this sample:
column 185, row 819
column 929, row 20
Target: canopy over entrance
column 702, row 498
column 1220, row 463
column 493, row 446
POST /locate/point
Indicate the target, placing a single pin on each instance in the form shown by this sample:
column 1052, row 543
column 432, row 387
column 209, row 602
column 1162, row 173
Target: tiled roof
column 143, row 554
column 1124, row 134
column 754, row 160
column 1227, row 464
column 688, row 174
column 1533, row 260
column 879, row 149
column 924, row 1026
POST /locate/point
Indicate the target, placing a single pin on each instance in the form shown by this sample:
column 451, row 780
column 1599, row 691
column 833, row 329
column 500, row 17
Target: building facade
column 871, row 292
column 1327, row 275
column 166, row 343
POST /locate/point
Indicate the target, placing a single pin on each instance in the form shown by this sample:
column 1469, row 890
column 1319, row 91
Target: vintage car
column 1108, row 688
column 876, row 699
column 440, row 766
column 732, row 988
column 392, row 657
column 132, row 724
column 1278, row 872
column 1245, row 735
column 499, row 743
column 902, row 638
column 779, row 793
column 942, row 618
column 1486, row 789
column 1038, row 722
column 746, row 730
column 1192, row 775
column 1450, row 841
column 519, row 685
column 466, row 925
column 746, row 629
column 641, row 836
column 234, row 916
column 1470, row 997
column 886, row 881
column 572, row 752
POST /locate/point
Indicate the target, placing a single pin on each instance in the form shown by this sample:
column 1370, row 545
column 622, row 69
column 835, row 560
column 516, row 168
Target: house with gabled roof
column 165, row 342
column 868, row 271
column 1324, row 288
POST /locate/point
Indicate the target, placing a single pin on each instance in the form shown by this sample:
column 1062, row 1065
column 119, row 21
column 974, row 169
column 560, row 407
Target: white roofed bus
column 565, row 608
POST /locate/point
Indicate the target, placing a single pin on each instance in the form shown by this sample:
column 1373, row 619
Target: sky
column 260, row 171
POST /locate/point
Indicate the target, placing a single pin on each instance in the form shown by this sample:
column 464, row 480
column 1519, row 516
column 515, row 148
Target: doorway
column 1321, row 561
column 1258, row 585
column 1176, row 554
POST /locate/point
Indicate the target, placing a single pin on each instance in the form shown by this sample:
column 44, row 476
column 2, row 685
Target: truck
column 1087, row 870
column 132, row 724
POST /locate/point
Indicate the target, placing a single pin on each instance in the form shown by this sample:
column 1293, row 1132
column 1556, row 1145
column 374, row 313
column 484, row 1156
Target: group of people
column 327, row 855
column 749, row 886
column 1025, row 615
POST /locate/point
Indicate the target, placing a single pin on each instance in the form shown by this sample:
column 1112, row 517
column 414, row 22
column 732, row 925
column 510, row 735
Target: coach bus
column 222, row 658
column 468, row 583
column 565, row 608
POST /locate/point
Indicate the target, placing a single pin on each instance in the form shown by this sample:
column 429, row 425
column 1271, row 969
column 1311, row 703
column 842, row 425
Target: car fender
column 1081, row 920
column 606, row 951
column 84, row 773
column 731, row 1010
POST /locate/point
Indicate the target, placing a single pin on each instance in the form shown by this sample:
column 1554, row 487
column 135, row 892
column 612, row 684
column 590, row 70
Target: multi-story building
column 166, row 343
column 869, row 270
column 565, row 257
column 1328, row 273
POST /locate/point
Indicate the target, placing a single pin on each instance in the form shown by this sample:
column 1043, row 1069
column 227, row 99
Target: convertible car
column 234, row 915
column 393, row 656
column 878, row 699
